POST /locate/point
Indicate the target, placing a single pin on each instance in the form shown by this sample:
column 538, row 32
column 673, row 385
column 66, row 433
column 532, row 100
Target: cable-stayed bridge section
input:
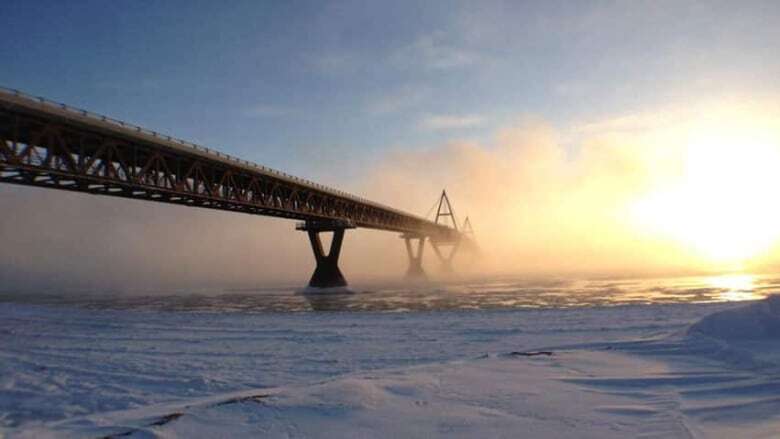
column 52, row 145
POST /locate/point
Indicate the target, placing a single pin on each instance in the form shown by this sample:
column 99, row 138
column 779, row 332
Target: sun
column 723, row 204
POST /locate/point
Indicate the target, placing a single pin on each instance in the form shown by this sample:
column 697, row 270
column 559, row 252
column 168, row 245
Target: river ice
column 621, row 371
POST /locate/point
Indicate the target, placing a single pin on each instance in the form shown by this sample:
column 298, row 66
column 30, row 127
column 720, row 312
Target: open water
column 464, row 295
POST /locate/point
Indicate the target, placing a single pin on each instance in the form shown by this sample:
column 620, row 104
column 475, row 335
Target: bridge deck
column 52, row 145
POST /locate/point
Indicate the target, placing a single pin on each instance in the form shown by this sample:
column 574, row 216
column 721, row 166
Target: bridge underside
column 64, row 152
column 58, row 147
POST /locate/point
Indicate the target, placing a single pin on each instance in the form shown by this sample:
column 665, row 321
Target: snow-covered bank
column 759, row 321
column 614, row 372
column 497, row 396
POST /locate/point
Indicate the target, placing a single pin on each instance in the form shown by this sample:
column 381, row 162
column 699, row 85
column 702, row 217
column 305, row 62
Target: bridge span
column 52, row 145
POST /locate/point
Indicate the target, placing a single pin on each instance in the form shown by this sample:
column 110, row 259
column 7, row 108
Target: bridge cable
column 430, row 211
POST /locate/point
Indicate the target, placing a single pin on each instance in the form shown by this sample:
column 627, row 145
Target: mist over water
column 476, row 295
column 543, row 202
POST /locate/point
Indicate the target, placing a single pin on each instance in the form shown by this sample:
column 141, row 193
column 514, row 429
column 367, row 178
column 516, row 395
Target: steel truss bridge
column 52, row 145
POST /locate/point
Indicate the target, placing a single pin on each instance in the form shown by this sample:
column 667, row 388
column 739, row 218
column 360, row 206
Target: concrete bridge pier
column 444, row 258
column 327, row 273
column 415, row 271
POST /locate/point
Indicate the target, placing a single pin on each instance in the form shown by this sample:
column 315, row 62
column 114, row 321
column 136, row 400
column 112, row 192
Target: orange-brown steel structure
column 52, row 145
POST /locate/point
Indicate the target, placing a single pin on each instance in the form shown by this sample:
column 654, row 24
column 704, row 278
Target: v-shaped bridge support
column 415, row 270
column 445, row 257
column 327, row 273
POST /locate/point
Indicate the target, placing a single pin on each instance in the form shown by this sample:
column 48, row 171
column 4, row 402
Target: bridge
column 52, row 145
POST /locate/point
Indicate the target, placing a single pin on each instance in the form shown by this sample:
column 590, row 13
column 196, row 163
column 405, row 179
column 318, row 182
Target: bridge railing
column 202, row 149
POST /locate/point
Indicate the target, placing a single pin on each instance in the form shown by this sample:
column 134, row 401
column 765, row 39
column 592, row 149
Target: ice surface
column 333, row 291
column 630, row 371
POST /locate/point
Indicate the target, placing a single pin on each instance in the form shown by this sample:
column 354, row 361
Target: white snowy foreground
column 647, row 371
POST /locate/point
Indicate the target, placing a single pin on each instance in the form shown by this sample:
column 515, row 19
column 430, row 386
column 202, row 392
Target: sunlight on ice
column 736, row 287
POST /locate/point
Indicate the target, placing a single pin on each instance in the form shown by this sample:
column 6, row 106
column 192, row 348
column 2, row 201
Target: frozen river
column 66, row 360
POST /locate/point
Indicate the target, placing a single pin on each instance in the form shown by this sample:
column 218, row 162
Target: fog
column 539, row 207
column 678, row 190
column 542, row 202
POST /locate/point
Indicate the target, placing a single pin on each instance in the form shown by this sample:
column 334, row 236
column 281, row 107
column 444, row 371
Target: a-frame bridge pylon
column 445, row 214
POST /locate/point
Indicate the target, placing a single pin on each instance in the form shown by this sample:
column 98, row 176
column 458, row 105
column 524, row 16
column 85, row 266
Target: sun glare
column 722, row 205
column 735, row 287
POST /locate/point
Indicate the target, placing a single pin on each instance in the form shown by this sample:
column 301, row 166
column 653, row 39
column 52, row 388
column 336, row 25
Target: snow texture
column 629, row 371
column 754, row 322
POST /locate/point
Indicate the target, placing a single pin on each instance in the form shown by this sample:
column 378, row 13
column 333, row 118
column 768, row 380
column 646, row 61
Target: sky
column 583, row 116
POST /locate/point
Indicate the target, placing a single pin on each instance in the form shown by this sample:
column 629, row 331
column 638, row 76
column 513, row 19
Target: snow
column 680, row 370
column 757, row 321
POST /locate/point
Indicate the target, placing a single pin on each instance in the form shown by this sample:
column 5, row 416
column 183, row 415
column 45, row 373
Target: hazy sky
column 579, row 97
column 345, row 81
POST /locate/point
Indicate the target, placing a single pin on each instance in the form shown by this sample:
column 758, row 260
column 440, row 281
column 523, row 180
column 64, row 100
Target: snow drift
column 757, row 321
column 606, row 372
